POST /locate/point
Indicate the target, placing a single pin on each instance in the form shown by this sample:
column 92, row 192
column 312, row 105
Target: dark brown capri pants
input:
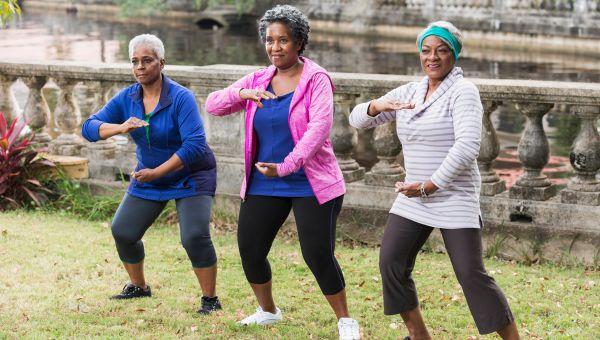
column 402, row 240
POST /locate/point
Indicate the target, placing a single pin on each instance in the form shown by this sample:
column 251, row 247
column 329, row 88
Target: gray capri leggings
column 135, row 215
column 401, row 243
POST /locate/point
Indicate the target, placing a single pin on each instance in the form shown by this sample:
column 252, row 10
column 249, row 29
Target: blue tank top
column 275, row 142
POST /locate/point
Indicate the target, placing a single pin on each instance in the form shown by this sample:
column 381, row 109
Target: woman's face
column 145, row 65
column 281, row 47
column 437, row 58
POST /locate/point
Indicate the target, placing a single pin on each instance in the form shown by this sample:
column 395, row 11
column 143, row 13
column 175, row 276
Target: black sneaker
column 209, row 305
column 130, row 291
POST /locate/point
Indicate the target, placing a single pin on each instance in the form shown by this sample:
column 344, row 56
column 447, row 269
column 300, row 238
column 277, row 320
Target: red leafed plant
column 20, row 168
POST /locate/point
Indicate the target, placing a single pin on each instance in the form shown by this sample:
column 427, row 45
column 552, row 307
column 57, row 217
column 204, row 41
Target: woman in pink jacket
column 289, row 164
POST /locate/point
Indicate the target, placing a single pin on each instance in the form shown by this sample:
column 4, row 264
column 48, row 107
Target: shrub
column 20, row 167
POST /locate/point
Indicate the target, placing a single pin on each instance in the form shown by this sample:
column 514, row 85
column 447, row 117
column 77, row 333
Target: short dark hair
column 293, row 18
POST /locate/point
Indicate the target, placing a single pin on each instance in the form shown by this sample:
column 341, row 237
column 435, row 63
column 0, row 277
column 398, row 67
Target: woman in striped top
column 438, row 121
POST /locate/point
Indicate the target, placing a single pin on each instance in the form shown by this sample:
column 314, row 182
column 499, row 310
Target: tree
column 8, row 9
column 153, row 7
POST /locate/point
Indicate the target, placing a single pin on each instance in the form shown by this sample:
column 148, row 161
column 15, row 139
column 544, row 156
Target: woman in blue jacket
column 174, row 162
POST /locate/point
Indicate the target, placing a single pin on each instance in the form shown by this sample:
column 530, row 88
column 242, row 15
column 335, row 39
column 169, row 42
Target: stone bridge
column 533, row 219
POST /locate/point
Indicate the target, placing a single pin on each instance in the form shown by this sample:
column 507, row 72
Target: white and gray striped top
column 440, row 138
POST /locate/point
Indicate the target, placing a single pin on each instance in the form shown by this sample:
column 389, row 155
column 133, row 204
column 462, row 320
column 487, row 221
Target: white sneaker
column 349, row 329
column 262, row 318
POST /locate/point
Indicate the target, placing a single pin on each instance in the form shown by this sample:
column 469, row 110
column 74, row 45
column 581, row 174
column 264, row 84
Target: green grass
column 56, row 272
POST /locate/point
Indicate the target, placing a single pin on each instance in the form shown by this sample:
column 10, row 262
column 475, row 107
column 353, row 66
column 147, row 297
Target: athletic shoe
column 262, row 318
column 209, row 305
column 130, row 291
column 348, row 329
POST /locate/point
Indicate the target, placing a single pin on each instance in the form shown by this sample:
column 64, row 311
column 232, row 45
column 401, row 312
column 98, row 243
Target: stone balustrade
column 533, row 206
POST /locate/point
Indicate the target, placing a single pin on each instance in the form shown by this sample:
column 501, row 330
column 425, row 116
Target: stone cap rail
column 369, row 85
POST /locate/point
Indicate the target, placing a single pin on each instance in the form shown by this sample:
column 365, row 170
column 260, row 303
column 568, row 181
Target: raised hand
column 131, row 124
column 378, row 106
column 256, row 95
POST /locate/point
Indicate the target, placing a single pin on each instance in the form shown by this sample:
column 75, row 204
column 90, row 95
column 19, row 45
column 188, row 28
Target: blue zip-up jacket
column 175, row 128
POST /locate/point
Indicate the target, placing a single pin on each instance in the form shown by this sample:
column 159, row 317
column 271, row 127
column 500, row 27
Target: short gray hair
column 448, row 26
column 148, row 40
column 290, row 16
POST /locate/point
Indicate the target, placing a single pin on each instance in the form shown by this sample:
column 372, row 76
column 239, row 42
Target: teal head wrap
column 443, row 34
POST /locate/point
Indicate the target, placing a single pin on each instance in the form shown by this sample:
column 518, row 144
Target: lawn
column 57, row 272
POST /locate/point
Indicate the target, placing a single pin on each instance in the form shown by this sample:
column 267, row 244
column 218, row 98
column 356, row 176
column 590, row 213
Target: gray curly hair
column 148, row 40
column 293, row 18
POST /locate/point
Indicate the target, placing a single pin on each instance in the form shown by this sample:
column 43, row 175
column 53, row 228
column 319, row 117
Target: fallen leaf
column 4, row 233
column 361, row 284
column 140, row 310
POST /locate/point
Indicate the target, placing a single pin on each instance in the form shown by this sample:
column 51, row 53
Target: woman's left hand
column 408, row 189
column 145, row 175
column 267, row 169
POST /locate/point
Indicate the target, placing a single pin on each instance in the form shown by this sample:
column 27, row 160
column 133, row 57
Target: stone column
column 344, row 138
column 8, row 103
column 102, row 153
column 36, row 109
column 533, row 154
column 387, row 171
column 491, row 184
column 584, row 188
column 68, row 119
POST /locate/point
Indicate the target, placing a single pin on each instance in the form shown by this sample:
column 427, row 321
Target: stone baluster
column 68, row 119
column 533, row 154
column 344, row 138
column 36, row 109
column 8, row 103
column 491, row 184
column 387, row 171
column 584, row 188
column 101, row 154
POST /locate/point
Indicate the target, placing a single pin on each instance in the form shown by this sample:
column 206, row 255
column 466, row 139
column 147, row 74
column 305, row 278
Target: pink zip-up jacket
column 310, row 120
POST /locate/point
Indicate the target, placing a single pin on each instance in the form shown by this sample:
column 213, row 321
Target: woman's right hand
column 131, row 124
column 256, row 95
column 378, row 106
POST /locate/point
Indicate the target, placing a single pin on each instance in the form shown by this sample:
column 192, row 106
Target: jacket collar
column 165, row 94
column 310, row 69
column 455, row 75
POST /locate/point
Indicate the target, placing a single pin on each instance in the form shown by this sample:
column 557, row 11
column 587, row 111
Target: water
column 59, row 36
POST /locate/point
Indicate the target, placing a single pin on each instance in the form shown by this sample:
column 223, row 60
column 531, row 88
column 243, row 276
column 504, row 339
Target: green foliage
column 73, row 198
column 8, row 9
column 20, row 168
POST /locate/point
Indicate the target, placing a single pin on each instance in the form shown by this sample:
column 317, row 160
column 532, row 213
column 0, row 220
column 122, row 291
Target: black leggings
column 260, row 220
column 135, row 215
column 402, row 240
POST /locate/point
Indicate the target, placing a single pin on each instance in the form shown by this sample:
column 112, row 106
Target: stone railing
column 533, row 205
